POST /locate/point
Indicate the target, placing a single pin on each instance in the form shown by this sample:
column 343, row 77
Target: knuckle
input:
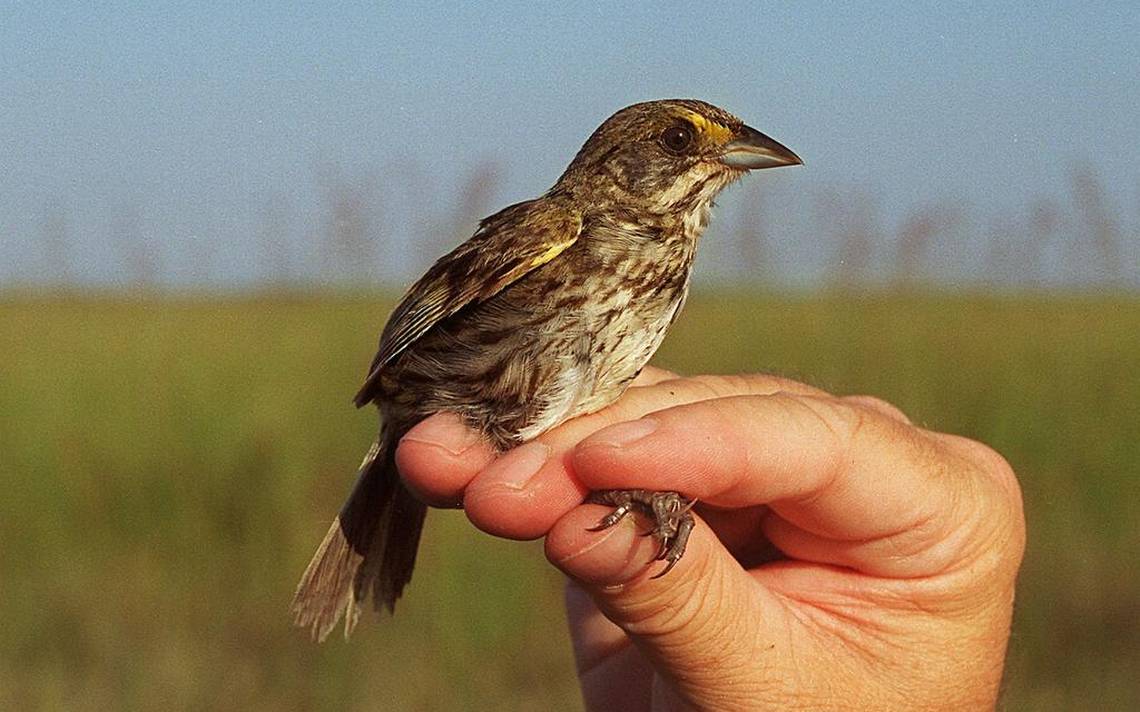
column 993, row 466
column 716, row 386
column 998, row 468
column 990, row 510
column 878, row 405
column 720, row 386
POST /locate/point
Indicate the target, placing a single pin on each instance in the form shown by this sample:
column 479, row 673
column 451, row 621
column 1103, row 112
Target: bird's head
column 668, row 157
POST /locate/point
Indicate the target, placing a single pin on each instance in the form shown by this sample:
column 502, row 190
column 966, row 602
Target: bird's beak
column 752, row 150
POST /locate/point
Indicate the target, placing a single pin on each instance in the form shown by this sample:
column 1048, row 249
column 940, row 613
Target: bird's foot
column 670, row 511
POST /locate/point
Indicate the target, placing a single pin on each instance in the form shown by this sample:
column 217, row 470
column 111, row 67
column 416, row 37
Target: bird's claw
column 671, row 514
column 620, row 510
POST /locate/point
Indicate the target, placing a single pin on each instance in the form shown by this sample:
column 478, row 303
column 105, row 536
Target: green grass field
column 170, row 463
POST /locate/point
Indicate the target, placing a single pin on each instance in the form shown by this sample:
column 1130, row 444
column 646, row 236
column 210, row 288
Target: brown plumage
column 547, row 312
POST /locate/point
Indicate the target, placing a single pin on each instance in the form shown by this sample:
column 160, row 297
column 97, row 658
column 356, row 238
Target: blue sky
column 187, row 118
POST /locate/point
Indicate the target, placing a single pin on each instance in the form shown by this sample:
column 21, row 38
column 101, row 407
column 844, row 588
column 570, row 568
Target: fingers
column 439, row 457
column 517, row 496
column 847, row 481
column 707, row 608
column 822, row 463
column 524, row 492
column 847, row 484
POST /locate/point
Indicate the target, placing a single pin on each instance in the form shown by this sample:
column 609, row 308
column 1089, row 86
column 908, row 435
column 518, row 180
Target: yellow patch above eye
column 717, row 132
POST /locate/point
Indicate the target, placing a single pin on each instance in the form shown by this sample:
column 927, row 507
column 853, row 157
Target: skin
column 900, row 546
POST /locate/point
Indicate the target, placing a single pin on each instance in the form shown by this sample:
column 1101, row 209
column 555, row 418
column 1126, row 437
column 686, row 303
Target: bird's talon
column 612, row 518
column 670, row 512
column 668, row 567
column 603, row 524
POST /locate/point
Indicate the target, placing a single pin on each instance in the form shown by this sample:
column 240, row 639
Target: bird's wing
column 506, row 246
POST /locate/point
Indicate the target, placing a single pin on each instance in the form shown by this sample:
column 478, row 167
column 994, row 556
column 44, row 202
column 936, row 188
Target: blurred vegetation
column 170, row 463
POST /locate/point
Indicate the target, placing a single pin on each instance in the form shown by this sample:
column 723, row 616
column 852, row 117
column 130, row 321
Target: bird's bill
column 752, row 150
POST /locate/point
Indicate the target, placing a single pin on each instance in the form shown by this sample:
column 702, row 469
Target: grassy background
column 169, row 464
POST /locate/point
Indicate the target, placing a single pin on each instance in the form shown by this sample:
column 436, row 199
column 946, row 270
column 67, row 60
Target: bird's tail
column 370, row 548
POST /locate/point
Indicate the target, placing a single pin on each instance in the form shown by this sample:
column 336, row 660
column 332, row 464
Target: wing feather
column 506, row 246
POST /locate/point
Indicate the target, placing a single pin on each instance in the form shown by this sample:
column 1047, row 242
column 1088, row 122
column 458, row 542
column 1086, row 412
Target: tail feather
column 369, row 549
column 405, row 524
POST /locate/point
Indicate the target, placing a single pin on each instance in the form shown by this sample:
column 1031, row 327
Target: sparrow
column 547, row 312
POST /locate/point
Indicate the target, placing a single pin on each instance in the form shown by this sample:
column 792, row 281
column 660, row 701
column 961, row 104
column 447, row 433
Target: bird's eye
column 677, row 138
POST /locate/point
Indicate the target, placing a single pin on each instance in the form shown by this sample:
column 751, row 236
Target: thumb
column 702, row 626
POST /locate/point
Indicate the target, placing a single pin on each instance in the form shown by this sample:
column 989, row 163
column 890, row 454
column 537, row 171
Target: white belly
column 590, row 381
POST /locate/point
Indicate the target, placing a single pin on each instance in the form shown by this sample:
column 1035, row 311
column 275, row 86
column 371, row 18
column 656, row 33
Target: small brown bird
column 547, row 312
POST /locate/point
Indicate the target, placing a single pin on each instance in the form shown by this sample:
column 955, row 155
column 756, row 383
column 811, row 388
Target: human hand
column 900, row 546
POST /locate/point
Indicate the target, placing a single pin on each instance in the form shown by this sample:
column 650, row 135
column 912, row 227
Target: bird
column 547, row 312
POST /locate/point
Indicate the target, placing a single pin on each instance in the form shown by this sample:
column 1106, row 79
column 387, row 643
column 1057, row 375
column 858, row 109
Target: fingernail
column 517, row 467
column 623, row 434
column 446, row 431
